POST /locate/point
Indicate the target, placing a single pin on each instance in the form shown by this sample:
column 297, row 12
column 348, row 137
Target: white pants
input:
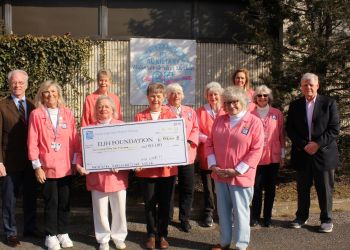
column 118, row 229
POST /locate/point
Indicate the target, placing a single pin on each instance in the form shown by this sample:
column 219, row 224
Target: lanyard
column 54, row 129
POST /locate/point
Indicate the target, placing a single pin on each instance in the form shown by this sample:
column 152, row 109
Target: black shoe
column 208, row 221
column 267, row 222
column 185, row 226
column 12, row 241
column 254, row 223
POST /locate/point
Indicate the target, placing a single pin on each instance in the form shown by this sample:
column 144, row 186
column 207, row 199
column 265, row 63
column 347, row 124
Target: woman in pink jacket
column 157, row 183
column 51, row 138
column 175, row 96
column 240, row 78
column 206, row 116
column 272, row 157
column 234, row 149
column 108, row 187
column 104, row 79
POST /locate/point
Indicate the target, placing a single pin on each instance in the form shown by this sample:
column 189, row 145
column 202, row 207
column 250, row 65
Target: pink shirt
column 105, row 181
column 205, row 122
column 242, row 143
column 145, row 115
column 41, row 135
column 87, row 117
column 274, row 138
column 192, row 130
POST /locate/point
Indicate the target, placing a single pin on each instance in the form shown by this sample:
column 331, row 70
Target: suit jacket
column 325, row 129
column 13, row 136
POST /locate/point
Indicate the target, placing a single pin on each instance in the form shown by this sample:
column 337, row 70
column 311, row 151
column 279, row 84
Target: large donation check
column 136, row 144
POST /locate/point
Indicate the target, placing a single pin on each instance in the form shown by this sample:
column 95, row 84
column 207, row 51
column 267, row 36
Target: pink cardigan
column 87, row 117
column 41, row 135
column 242, row 143
column 274, row 136
column 105, row 181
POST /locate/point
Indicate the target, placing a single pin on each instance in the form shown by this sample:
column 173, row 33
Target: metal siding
column 215, row 62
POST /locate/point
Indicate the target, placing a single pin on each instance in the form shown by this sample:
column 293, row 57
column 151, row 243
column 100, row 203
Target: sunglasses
column 262, row 95
column 231, row 102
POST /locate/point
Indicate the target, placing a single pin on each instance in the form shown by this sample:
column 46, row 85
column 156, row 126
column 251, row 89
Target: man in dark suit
column 313, row 126
column 15, row 168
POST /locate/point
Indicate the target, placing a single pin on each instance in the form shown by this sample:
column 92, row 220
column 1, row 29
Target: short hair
column 104, row 72
column 213, row 86
column 44, row 87
column 18, row 71
column 235, row 93
column 155, row 88
column 247, row 79
column 309, row 76
column 111, row 103
column 174, row 87
column 262, row 89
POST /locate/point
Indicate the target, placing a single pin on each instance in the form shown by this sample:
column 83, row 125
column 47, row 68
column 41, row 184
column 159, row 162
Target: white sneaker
column 120, row 245
column 104, row 246
column 52, row 243
column 326, row 227
column 64, row 240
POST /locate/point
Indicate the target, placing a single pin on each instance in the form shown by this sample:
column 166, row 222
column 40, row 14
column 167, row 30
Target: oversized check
column 136, row 144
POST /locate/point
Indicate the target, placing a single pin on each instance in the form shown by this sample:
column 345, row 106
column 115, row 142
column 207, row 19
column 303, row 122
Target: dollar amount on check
column 133, row 145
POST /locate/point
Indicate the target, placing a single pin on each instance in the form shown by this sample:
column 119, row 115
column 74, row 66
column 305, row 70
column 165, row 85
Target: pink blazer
column 205, row 122
column 145, row 115
column 87, row 117
column 242, row 143
column 192, row 131
column 105, row 181
column 274, row 139
column 41, row 135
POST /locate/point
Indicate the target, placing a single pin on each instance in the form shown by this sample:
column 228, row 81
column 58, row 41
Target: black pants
column 157, row 195
column 12, row 184
column 186, row 192
column 208, row 192
column 265, row 180
column 324, row 185
column 56, row 197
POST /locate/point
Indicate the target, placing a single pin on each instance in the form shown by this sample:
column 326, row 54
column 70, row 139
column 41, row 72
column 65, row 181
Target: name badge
column 55, row 146
column 245, row 131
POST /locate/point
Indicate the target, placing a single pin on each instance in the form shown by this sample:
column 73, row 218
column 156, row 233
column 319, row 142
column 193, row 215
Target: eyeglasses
column 231, row 102
column 262, row 95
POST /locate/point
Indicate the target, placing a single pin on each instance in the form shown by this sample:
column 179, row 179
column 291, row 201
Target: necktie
column 21, row 110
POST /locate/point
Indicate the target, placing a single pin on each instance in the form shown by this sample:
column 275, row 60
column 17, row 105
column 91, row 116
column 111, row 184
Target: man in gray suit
column 313, row 127
column 15, row 168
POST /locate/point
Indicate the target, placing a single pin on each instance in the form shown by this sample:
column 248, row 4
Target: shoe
column 297, row 223
column 163, row 244
column 208, row 221
column 267, row 222
column 326, row 228
column 52, row 242
column 104, row 246
column 254, row 223
column 151, row 243
column 13, row 241
column 33, row 234
column 219, row 247
column 185, row 226
column 119, row 244
column 64, row 240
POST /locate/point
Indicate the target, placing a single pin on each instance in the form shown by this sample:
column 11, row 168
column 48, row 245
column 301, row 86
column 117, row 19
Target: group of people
column 237, row 137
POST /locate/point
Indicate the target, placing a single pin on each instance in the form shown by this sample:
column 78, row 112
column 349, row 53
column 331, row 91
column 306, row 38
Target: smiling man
column 313, row 126
column 15, row 168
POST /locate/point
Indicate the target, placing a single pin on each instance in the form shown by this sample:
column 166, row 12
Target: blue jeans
column 236, row 200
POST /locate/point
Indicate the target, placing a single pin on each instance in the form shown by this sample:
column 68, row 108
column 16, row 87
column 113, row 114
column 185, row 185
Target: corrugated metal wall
column 215, row 62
